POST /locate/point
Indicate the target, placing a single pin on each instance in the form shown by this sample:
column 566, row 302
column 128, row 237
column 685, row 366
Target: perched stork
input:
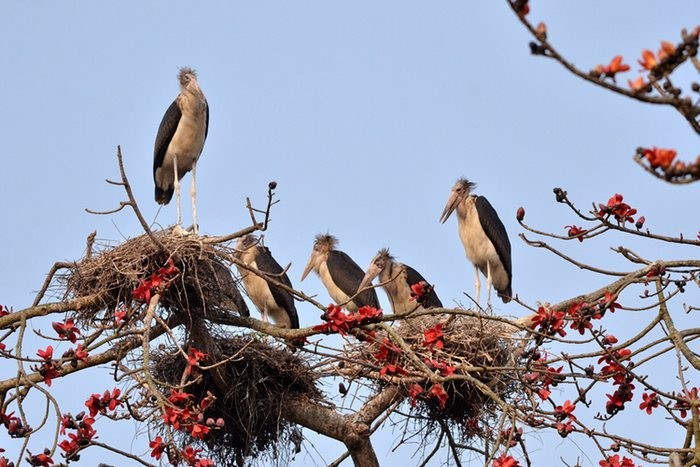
column 270, row 299
column 484, row 237
column 227, row 290
column 397, row 279
column 180, row 141
column 340, row 274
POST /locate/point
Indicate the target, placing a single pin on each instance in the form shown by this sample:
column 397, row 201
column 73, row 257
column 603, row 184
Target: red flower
column 66, row 330
column 505, row 461
column 386, row 350
column 199, row 431
column 157, row 447
column 80, row 353
column 179, row 397
column 439, row 392
column 42, row 460
column 650, row 402
column 622, row 211
column 444, row 368
column 420, row 291
column 194, row 356
column 433, row 337
column 609, row 303
column 392, row 370
column 413, row 393
column 659, row 157
column 204, row 463
column 615, row 66
column 648, row 60
column 189, row 455
column 119, row 316
column 565, row 411
column 101, row 404
column 637, row 85
column 4, row 311
column 667, row 49
column 565, row 428
column 46, row 354
column 337, row 321
column 578, row 232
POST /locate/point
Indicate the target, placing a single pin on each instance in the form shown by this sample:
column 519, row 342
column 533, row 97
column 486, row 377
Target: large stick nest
column 471, row 344
column 205, row 282
column 251, row 388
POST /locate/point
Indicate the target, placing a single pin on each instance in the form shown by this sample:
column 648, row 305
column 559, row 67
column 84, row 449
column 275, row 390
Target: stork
column 340, row 274
column 396, row 279
column 484, row 238
column 270, row 299
column 180, row 141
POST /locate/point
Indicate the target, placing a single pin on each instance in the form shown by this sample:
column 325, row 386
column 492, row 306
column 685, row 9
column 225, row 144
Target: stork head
column 188, row 80
column 244, row 244
column 460, row 192
column 323, row 244
column 378, row 264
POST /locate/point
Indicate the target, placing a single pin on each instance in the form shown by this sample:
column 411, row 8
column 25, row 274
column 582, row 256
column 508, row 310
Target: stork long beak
column 451, row 205
column 308, row 268
column 372, row 272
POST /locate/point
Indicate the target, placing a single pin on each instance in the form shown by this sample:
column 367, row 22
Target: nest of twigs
column 474, row 346
column 204, row 282
column 250, row 388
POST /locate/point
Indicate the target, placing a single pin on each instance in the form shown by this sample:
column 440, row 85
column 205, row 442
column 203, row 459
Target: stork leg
column 176, row 185
column 263, row 312
column 477, row 284
column 488, row 284
column 193, row 195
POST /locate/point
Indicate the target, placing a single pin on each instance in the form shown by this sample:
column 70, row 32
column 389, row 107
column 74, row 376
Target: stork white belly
column 334, row 291
column 187, row 144
column 259, row 292
column 479, row 249
column 398, row 291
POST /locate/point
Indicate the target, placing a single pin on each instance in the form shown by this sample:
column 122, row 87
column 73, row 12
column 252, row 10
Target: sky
column 365, row 113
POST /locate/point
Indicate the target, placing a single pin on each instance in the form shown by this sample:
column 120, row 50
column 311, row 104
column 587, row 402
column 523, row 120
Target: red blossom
column 199, row 431
column 581, row 314
column 433, row 337
column 648, row 60
column 667, row 49
column 515, row 436
column 444, row 368
column 392, row 370
column 101, row 404
column 189, row 455
column 575, row 231
column 80, row 353
column 4, row 311
column 337, row 321
column 622, row 211
column 119, row 316
column 420, row 292
column 158, row 280
column 66, row 330
column 659, row 157
column 42, row 460
column 194, row 356
column 637, row 85
column 45, row 354
column 608, row 302
column 157, row 447
column 615, row 66
column 387, row 350
column 439, row 392
column 565, row 428
column 505, row 461
column 179, row 397
column 564, row 411
column 414, row 391
column 615, row 461
column 549, row 321
column 650, row 402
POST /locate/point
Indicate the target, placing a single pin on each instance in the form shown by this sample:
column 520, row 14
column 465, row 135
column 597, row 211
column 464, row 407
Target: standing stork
column 340, row 274
column 180, row 141
column 270, row 299
column 396, row 279
column 484, row 238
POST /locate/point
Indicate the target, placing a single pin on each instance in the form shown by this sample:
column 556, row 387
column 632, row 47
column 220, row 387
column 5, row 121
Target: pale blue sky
column 365, row 113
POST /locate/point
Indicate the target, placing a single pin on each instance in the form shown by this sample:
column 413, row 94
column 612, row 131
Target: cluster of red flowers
column 433, row 337
column 78, row 440
column 615, row 461
column 615, row 66
column 615, row 207
column 338, row 321
column 107, row 402
column 14, row 425
column 564, row 415
column 621, row 378
column 513, row 437
column 649, row 60
column 659, row 157
column 38, row 460
column 194, row 356
column 542, row 377
column 159, row 281
column 186, row 415
column 505, row 461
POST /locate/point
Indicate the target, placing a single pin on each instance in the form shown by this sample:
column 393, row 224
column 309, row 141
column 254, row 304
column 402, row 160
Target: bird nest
column 250, row 389
column 476, row 348
column 111, row 275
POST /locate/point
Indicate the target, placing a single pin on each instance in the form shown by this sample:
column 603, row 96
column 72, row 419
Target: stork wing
column 229, row 289
column 206, row 127
column 166, row 130
column 267, row 263
column 413, row 277
column 347, row 275
column 495, row 231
